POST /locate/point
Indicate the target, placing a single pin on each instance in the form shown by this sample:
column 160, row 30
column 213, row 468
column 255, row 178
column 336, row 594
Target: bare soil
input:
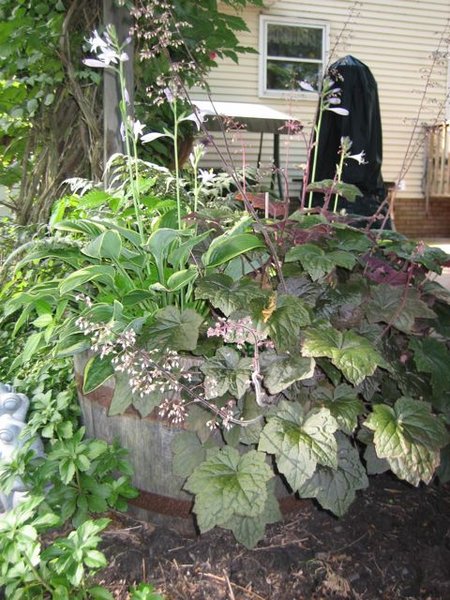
column 394, row 543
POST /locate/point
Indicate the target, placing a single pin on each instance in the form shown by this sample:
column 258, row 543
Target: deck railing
column 437, row 171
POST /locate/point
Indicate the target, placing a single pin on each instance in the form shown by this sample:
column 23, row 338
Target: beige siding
column 396, row 39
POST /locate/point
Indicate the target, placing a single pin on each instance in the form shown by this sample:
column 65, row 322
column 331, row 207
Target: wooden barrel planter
column 148, row 441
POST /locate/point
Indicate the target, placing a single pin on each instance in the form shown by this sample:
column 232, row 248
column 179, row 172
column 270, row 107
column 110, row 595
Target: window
column 290, row 52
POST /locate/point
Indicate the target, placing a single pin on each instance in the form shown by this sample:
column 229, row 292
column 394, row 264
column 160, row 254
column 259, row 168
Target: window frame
column 264, row 22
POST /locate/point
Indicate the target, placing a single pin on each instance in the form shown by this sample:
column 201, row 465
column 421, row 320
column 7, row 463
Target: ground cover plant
column 321, row 351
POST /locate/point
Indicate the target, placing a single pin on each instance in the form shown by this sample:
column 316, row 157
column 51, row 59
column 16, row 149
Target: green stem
column 177, row 166
column 37, row 576
column 196, row 186
column 339, row 169
column 316, row 149
column 133, row 179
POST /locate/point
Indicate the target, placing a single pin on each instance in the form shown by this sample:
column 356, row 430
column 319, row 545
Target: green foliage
column 145, row 591
column 409, row 437
column 306, row 349
column 226, row 371
column 63, row 569
column 231, row 488
column 300, row 441
column 335, row 487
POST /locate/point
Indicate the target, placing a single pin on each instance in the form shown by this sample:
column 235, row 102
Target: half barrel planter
column 149, row 444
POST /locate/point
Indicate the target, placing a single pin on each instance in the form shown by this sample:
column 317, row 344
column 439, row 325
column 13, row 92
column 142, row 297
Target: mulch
column 394, row 543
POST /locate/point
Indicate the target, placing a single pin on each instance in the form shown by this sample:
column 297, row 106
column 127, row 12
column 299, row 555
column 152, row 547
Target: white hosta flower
column 338, row 111
column 97, row 42
column 108, row 54
column 307, row 86
column 138, row 129
column 149, row 137
column 360, row 158
column 93, row 62
column 169, row 94
column 198, row 117
column 206, row 176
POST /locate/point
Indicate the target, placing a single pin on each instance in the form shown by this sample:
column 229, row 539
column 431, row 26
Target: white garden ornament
column 13, row 411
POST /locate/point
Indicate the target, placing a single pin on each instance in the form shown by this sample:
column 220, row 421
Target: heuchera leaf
column 227, row 295
column 287, row 320
column 409, row 437
column 343, row 404
column 175, row 328
column 229, row 484
column 432, row 356
column 249, row 530
column 122, row 397
column 226, row 371
column 335, row 488
column 300, row 442
column 188, row 453
column 318, row 262
column 390, row 304
column 282, row 370
column 444, row 468
column 351, row 353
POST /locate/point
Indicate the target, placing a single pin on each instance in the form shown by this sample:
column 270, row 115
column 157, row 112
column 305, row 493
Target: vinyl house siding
column 395, row 39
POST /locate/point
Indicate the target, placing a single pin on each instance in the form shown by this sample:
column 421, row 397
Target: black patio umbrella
column 359, row 95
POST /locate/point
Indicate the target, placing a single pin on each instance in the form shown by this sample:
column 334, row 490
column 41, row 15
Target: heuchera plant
column 303, row 350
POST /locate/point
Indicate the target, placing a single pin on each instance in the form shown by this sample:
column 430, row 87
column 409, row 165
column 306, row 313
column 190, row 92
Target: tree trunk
column 120, row 18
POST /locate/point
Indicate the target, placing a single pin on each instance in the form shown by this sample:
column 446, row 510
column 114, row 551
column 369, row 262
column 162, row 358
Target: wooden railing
column 437, row 171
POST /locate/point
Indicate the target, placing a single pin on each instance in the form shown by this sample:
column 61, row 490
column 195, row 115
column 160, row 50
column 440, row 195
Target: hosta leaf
column 107, row 245
column 343, row 404
column 282, row 370
column 227, row 295
column 318, row 262
column 188, row 453
column 96, row 372
column 249, row 530
column 351, row 353
column 335, row 488
column 432, row 356
column 181, row 279
column 287, row 320
column 300, row 442
column 229, row 484
column 409, row 437
column 160, row 242
column 179, row 256
column 226, row 371
column 175, row 328
column 102, row 273
column 228, row 246
column 389, row 304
